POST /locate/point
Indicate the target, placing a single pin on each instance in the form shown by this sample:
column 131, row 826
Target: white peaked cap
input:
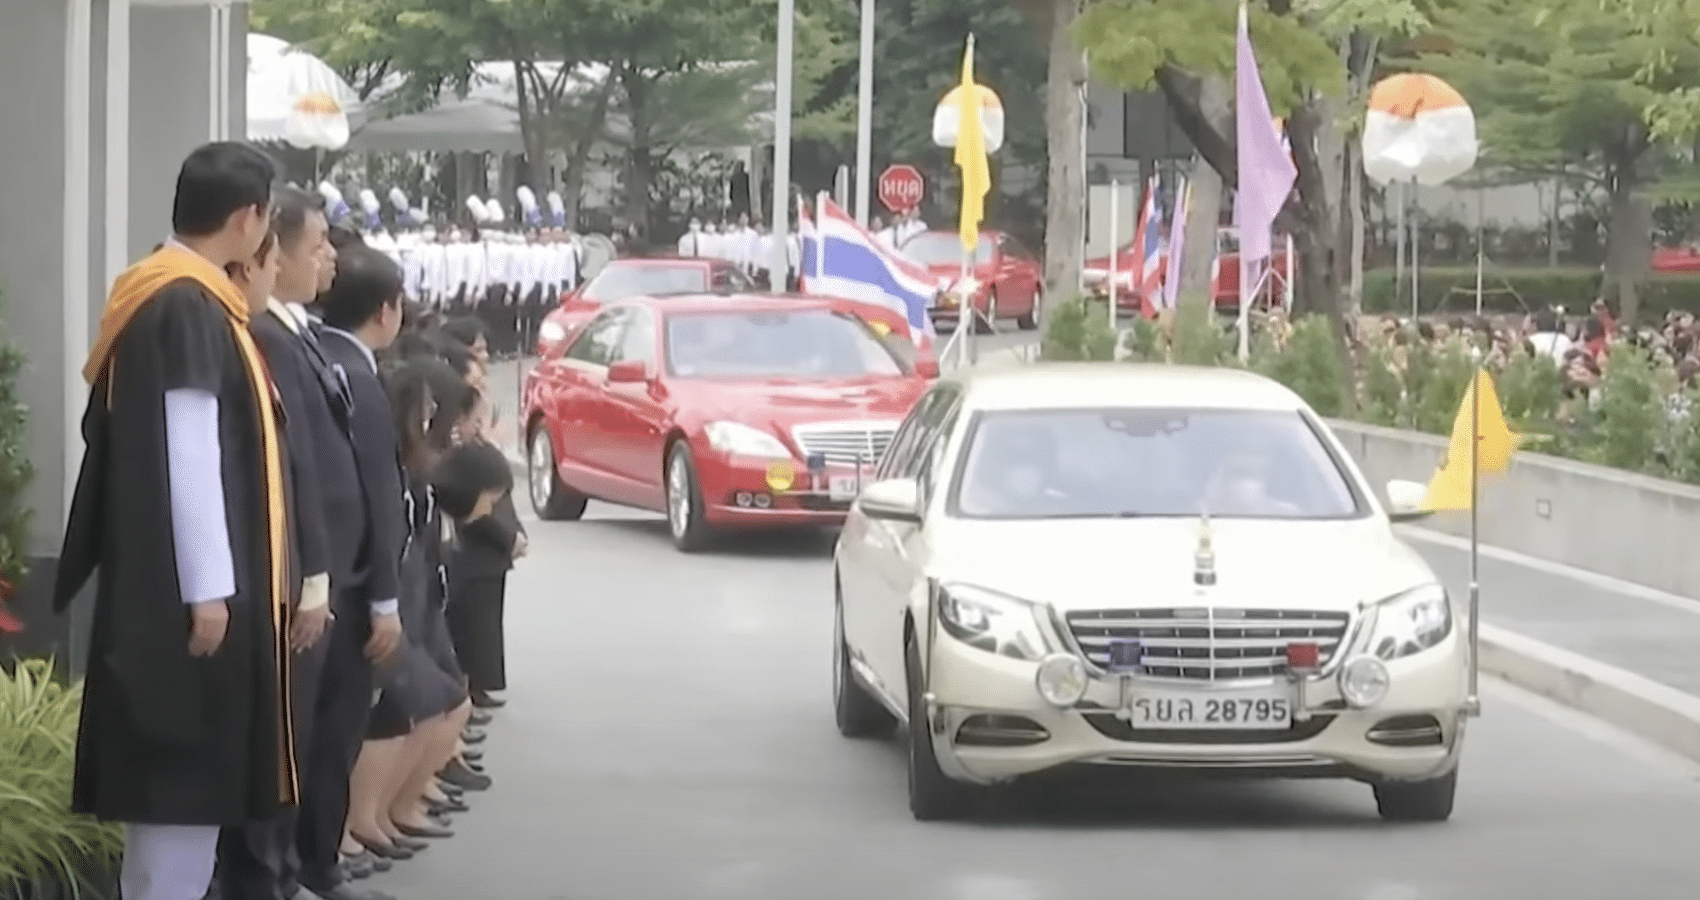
column 369, row 201
column 476, row 206
column 398, row 199
column 494, row 208
column 419, row 216
column 555, row 202
column 527, row 199
column 330, row 193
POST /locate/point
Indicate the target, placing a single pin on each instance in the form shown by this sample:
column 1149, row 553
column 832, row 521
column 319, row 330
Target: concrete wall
column 75, row 206
column 1603, row 520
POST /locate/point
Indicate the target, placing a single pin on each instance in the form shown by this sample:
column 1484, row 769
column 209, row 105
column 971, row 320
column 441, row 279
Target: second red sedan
column 634, row 277
column 724, row 413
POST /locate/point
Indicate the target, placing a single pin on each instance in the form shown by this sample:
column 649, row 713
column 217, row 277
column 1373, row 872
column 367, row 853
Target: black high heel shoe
column 382, row 849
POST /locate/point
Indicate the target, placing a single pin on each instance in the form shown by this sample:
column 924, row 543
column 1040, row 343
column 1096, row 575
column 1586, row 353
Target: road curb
column 1645, row 708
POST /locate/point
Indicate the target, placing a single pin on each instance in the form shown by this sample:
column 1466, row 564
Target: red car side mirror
column 927, row 367
column 628, row 371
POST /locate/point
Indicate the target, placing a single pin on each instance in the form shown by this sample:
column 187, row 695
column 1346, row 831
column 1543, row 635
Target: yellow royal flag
column 1480, row 422
column 971, row 153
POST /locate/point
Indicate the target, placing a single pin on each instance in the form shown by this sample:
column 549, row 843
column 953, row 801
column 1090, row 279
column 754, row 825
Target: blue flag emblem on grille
column 1126, row 655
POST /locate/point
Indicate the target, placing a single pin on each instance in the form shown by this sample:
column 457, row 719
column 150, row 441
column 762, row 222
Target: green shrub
column 41, row 841
column 15, row 468
column 1453, row 290
column 1078, row 330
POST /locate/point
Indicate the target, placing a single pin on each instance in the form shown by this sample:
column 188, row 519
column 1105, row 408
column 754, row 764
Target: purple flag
column 1266, row 170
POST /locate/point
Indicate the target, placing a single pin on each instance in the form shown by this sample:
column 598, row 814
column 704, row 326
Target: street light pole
column 780, row 264
column 865, row 114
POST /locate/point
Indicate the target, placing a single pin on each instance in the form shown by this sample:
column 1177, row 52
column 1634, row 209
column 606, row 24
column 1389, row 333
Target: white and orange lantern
column 947, row 118
column 1418, row 128
column 294, row 97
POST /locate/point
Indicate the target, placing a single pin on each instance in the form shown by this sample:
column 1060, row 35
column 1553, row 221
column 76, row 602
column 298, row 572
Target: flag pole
column 1473, row 702
column 1115, row 246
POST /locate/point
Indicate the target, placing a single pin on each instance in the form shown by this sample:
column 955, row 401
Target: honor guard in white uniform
column 457, row 270
column 749, row 246
column 534, row 270
column 690, row 243
column 763, row 254
column 433, row 267
column 496, row 310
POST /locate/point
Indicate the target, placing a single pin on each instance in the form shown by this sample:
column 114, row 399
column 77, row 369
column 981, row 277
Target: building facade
column 123, row 90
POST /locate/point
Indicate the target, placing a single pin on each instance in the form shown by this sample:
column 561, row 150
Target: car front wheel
column 691, row 532
column 933, row 795
column 856, row 712
column 550, row 498
column 1429, row 800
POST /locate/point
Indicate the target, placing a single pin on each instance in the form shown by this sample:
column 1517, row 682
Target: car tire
column 1429, row 800
column 691, row 532
column 857, row 713
column 987, row 323
column 933, row 795
column 551, row 499
column 1030, row 320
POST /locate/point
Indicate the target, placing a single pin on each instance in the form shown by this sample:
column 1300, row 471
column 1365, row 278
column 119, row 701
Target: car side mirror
column 927, row 367
column 1406, row 501
column 628, row 371
column 894, row 500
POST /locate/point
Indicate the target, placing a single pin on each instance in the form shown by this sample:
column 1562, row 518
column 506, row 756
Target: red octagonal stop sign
column 901, row 188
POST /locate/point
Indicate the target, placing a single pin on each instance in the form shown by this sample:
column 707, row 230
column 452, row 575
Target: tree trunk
column 1629, row 234
column 1204, row 209
column 532, row 116
column 585, row 135
column 1316, row 235
column 1065, row 239
column 640, row 163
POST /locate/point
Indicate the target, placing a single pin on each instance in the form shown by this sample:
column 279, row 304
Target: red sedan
column 724, row 413
column 1005, row 281
column 639, row 277
column 1227, row 297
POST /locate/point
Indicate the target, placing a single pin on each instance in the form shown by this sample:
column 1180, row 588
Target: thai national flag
column 842, row 259
column 1148, row 237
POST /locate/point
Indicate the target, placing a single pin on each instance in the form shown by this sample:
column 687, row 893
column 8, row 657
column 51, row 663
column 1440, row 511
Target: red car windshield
column 815, row 344
column 940, row 248
column 619, row 280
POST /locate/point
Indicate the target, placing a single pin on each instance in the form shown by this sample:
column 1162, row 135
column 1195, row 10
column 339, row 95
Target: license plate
column 843, row 488
column 1246, row 710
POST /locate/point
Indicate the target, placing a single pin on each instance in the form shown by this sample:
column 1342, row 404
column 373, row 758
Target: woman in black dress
column 423, row 682
column 479, row 559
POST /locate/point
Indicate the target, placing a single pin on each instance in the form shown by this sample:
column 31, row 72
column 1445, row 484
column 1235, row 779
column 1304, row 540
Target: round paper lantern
column 947, row 118
column 1418, row 128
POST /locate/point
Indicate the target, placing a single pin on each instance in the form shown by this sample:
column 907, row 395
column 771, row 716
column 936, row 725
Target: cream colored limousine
column 1097, row 566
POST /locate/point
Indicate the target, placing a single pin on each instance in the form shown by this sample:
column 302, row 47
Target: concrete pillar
column 86, row 189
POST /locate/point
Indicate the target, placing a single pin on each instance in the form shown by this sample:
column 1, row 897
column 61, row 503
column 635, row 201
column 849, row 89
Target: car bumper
column 1414, row 732
column 738, row 493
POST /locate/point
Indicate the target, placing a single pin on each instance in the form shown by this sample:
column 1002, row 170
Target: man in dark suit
column 296, row 857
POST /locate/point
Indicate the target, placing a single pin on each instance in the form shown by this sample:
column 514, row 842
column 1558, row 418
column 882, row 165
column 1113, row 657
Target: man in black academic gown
column 182, row 504
column 333, row 677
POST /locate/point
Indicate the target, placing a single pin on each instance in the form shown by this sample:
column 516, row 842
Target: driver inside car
column 1241, row 486
column 1018, row 474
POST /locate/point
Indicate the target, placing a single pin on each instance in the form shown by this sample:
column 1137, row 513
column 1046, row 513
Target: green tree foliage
column 1570, row 85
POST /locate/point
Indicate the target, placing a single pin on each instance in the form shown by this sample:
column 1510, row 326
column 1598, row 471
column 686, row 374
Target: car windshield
column 938, row 248
column 800, row 344
column 617, row 281
column 1139, row 462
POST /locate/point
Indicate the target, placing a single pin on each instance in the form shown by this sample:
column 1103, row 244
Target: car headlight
column 993, row 622
column 1411, row 622
column 738, row 439
column 551, row 332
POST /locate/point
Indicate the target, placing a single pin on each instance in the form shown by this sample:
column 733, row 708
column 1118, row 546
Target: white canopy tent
column 486, row 120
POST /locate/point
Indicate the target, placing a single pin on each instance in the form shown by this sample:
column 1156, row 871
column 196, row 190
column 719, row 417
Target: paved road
column 669, row 736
